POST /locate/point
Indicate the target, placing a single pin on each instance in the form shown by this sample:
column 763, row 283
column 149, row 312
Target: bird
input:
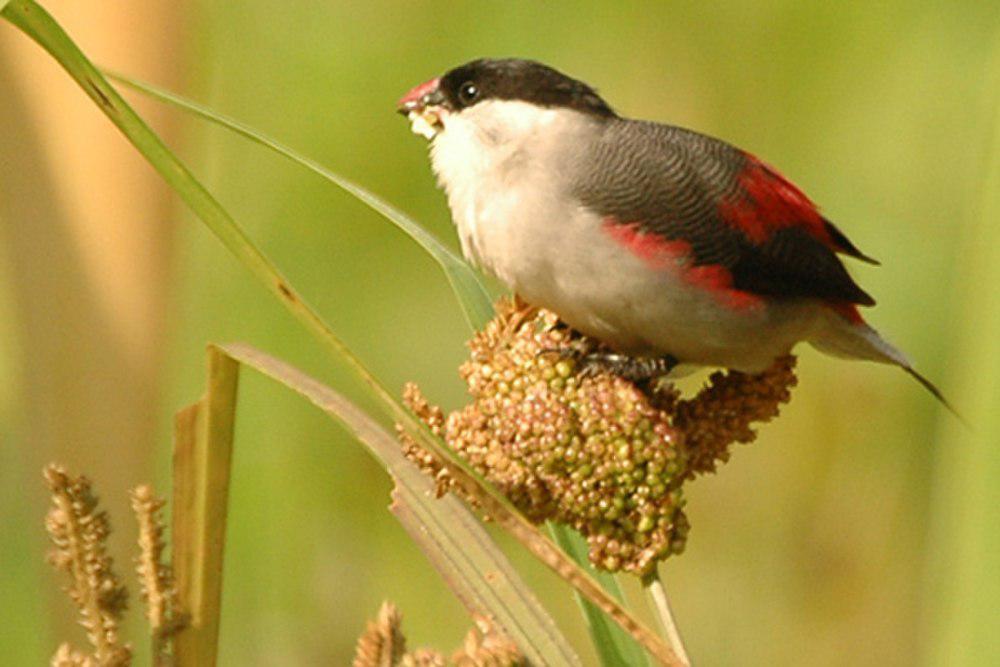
column 672, row 248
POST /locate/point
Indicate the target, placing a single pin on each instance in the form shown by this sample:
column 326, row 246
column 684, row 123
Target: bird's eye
column 468, row 92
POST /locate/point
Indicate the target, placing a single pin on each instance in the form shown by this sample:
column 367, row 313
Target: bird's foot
column 592, row 359
column 634, row 369
column 577, row 349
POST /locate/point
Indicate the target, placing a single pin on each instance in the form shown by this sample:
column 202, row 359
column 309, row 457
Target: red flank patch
column 656, row 251
column 662, row 254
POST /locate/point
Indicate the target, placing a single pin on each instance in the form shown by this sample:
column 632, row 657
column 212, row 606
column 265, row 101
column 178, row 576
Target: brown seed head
column 597, row 453
column 79, row 532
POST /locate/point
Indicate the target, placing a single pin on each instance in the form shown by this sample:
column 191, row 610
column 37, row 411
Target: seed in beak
column 423, row 106
column 420, row 97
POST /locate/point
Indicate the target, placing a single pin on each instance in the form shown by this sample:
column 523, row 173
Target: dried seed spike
column 486, row 645
column 382, row 643
column 563, row 447
column 155, row 576
column 423, row 657
column 79, row 533
column 67, row 657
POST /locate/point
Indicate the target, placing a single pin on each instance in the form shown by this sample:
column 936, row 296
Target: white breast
column 505, row 167
column 494, row 161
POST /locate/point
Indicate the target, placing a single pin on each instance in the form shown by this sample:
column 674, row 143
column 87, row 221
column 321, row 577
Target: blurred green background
column 862, row 528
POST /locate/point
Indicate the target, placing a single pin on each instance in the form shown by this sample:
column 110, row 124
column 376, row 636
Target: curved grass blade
column 614, row 646
column 472, row 295
column 35, row 22
column 454, row 540
column 388, row 451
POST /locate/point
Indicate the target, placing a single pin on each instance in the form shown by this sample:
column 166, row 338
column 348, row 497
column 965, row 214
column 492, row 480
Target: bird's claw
column 634, row 369
column 575, row 349
column 592, row 361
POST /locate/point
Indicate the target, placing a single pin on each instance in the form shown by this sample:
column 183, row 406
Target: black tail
column 932, row 388
column 859, row 341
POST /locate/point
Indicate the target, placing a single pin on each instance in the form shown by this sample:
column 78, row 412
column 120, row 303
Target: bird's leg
column 576, row 348
column 592, row 360
column 634, row 369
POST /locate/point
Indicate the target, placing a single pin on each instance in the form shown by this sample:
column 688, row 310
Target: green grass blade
column 453, row 539
column 498, row 508
column 203, row 448
column 34, row 21
column 615, row 648
column 613, row 645
column 479, row 574
column 471, row 293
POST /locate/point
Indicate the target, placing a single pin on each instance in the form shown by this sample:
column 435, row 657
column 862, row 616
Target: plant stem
column 661, row 605
column 614, row 646
column 35, row 22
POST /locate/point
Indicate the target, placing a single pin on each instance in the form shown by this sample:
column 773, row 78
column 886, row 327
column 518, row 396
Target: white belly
column 600, row 288
column 514, row 220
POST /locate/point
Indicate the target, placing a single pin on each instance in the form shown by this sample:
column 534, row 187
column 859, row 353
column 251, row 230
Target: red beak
column 422, row 96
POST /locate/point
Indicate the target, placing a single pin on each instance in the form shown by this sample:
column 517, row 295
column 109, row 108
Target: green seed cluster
column 593, row 453
column 596, row 453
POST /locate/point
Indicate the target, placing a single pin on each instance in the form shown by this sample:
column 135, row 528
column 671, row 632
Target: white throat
column 483, row 137
column 484, row 155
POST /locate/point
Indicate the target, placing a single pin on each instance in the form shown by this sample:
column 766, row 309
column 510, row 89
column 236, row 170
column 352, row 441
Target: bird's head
column 496, row 94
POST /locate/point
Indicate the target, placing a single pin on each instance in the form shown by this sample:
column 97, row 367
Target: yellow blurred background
column 862, row 527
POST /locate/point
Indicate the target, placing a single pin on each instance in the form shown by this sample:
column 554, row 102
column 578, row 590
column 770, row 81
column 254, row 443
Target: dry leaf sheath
column 79, row 532
column 600, row 454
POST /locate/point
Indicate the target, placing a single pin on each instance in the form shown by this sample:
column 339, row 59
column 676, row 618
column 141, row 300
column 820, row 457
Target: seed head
column 598, row 453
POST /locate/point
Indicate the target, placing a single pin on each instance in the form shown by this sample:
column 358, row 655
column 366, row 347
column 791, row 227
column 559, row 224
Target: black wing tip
column 865, row 258
column 857, row 295
column 864, row 298
column 845, row 246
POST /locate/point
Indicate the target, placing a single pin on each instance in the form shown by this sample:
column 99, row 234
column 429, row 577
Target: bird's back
column 721, row 206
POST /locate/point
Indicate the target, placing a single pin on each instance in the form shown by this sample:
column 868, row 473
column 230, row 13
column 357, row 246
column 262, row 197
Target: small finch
column 671, row 247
